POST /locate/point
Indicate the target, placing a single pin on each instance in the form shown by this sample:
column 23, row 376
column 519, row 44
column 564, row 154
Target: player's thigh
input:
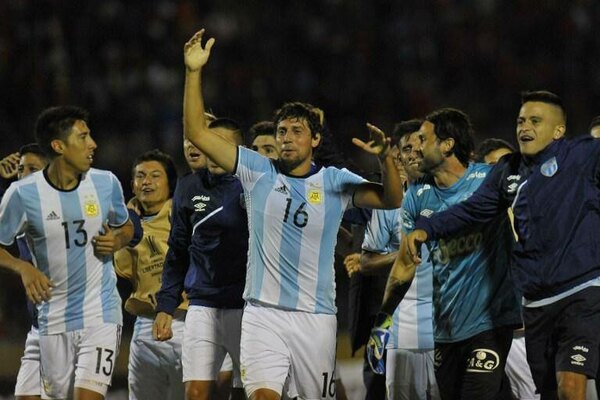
column 578, row 342
column 410, row 375
column 57, row 365
column 312, row 344
column 449, row 363
column 203, row 350
column 147, row 378
column 264, row 355
column 28, row 378
column 97, row 353
column 484, row 377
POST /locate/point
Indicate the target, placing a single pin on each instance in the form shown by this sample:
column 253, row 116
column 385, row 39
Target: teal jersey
column 472, row 290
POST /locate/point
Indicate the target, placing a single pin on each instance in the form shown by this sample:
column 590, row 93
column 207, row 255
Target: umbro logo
column 52, row 216
column 426, row 213
column 282, row 189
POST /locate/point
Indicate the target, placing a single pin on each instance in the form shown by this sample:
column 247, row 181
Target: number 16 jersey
column 293, row 224
column 59, row 227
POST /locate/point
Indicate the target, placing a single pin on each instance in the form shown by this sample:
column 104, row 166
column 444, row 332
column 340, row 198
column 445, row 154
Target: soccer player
column 74, row 219
column 552, row 187
column 263, row 139
column 475, row 306
column 409, row 361
column 595, row 127
column 491, row 150
column 294, row 210
column 207, row 254
column 154, row 367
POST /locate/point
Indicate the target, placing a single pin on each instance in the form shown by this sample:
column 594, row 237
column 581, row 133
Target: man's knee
column 197, row 390
column 571, row 385
column 265, row 394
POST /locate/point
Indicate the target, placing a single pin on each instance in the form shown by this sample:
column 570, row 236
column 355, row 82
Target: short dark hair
column 455, row 124
column 404, row 128
column 544, row 96
column 298, row 110
column 230, row 125
column 489, row 145
column 262, row 128
column 595, row 122
column 33, row 148
column 56, row 123
column 165, row 160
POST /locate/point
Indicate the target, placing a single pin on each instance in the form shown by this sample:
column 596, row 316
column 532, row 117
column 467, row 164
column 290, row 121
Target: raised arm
column 195, row 127
column 374, row 195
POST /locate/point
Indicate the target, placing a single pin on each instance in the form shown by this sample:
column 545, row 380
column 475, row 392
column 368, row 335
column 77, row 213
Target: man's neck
column 449, row 172
column 300, row 170
column 62, row 176
column 152, row 209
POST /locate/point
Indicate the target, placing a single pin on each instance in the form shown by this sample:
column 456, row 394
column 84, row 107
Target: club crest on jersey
column 90, row 207
column 549, row 168
column 315, row 196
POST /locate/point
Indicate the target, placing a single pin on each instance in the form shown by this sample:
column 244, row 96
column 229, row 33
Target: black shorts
column 474, row 368
column 563, row 336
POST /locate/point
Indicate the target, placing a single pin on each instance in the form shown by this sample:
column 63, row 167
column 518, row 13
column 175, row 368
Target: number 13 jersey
column 293, row 224
column 59, row 227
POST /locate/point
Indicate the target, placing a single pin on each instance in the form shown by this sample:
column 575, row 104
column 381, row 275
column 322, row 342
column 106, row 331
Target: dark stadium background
column 377, row 61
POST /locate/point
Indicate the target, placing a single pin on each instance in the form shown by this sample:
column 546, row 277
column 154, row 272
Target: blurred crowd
column 378, row 61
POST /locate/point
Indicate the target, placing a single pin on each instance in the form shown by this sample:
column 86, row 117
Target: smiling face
column 296, row 144
column 538, row 125
column 151, row 185
column 77, row 150
column 410, row 155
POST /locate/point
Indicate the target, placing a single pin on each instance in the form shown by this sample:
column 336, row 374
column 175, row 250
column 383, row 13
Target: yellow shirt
column 143, row 264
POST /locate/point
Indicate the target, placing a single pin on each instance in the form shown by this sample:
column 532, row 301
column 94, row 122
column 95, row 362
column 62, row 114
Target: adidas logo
column 52, row 216
column 282, row 189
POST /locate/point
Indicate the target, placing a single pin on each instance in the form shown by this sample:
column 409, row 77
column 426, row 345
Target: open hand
column 378, row 143
column 194, row 55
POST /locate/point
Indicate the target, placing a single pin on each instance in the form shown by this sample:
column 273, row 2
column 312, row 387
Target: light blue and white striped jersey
column 413, row 327
column 293, row 224
column 472, row 291
column 59, row 227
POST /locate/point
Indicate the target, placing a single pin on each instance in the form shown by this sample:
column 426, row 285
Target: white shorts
column 227, row 365
column 518, row 371
column 278, row 344
column 28, row 379
column 83, row 358
column 409, row 375
column 209, row 335
column 155, row 370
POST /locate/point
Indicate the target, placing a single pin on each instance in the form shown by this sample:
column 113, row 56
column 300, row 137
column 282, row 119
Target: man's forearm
column 392, row 185
column 8, row 262
column 124, row 235
column 375, row 264
column 395, row 291
column 194, row 120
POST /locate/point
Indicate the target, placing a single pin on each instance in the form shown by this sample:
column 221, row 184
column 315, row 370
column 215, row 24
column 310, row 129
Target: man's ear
column 316, row 140
column 448, row 146
column 58, row 146
column 559, row 131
